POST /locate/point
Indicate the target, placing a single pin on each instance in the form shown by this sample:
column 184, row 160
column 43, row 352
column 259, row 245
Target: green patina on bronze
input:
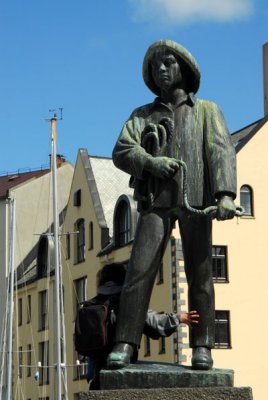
column 181, row 127
column 179, row 51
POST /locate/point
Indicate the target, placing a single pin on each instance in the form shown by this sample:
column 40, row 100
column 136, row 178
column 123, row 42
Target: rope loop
column 154, row 139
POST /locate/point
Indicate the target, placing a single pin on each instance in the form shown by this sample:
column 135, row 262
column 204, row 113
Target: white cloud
column 185, row 11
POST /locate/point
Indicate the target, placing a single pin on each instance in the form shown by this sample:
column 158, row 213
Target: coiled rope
column 155, row 139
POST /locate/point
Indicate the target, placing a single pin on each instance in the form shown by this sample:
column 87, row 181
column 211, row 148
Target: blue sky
column 86, row 56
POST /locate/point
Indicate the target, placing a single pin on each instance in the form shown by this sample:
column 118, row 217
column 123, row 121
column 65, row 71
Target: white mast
column 12, row 204
column 60, row 366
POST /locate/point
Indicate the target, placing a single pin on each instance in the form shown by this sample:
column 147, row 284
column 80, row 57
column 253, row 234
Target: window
column 160, row 274
column 80, row 369
column 29, row 309
column 77, row 198
column 124, row 220
column 122, row 223
column 43, row 310
column 45, row 253
column 80, row 286
column 162, row 345
column 147, row 346
column 219, row 263
column 246, row 199
column 29, row 359
column 68, row 246
column 222, row 330
column 44, row 358
column 20, row 362
column 19, row 312
column 91, row 238
column 80, row 240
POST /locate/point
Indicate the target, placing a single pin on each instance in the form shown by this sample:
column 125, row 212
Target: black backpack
column 95, row 326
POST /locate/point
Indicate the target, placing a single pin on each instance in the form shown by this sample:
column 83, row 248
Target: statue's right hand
column 162, row 167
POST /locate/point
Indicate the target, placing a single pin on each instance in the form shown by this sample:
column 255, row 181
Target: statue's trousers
column 151, row 238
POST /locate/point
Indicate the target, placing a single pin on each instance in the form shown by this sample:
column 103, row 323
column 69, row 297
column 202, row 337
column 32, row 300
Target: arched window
column 246, row 199
column 123, row 223
column 125, row 219
column 80, row 240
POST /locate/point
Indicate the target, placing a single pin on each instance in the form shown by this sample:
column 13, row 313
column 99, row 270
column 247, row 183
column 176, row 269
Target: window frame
column 247, row 203
column 43, row 310
column 80, row 370
column 20, row 359
column 220, row 263
column 29, row 360
column 29, row 309
column 124, row 220
column 222, row 322
column 68, row 246
column 80, row 292
column 123, row 223
column 77, row 198
column 20, row 313
column 80, row 241
column 91, row 236
column 44, row 358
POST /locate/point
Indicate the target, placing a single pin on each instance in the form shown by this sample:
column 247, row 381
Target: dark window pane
column 77, row 198
column 91, row 238
column 80, row 240
column 43, row 310
column 123, row 223
column 68, row 246
column 160, row 275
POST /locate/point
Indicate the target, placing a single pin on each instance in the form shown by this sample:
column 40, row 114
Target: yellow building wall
column 246, row 293
column 73, row 270
column 34, row 212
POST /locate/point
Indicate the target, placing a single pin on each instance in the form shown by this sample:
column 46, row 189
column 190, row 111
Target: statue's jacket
column 198, row 135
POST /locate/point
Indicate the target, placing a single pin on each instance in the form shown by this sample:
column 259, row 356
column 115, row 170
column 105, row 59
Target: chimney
column 265, row 77
column 60, row 159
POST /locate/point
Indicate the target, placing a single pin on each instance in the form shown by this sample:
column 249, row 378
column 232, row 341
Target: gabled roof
column 106, row 184
column 8, row 182
column 240, row 138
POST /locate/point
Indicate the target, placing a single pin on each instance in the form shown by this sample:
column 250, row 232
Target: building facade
column 30, row 193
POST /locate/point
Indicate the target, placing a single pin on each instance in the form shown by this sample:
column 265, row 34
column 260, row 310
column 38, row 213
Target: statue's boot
column 201, row 358
column 120, row 356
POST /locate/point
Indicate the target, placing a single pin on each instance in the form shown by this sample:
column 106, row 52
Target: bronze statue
column 175, row 126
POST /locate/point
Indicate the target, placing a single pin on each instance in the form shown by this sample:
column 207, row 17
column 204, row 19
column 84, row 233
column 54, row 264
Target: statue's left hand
column 226, row 208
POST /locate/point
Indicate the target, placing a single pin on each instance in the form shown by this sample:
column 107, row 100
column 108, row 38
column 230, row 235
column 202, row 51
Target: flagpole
column 59, row 364
column 12, row 204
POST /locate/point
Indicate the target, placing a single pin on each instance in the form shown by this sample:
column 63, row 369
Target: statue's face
column 166, row 71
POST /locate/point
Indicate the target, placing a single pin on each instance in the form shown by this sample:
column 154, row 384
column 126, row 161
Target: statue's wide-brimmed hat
column 179, row 51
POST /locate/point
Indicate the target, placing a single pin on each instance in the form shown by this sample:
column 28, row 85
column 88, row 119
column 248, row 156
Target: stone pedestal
column 160, row 375
column 159, row 381
column 243, row 393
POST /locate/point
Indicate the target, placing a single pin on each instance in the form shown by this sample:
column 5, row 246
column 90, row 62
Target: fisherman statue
column 175, row 129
